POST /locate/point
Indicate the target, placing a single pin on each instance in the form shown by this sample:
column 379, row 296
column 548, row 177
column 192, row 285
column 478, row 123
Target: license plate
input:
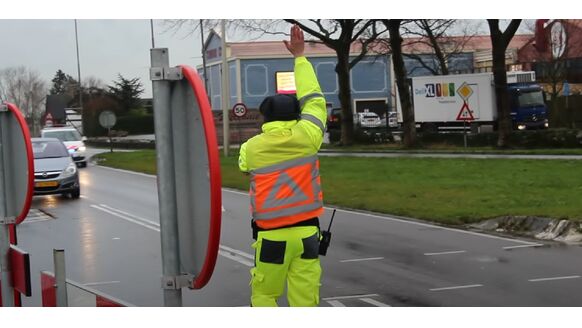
column 46, row 184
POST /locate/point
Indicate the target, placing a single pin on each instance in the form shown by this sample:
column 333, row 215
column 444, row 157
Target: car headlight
column 82, row 148
column 70, row 170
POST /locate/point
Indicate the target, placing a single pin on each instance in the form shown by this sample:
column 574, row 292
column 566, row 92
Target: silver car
column 55, row 171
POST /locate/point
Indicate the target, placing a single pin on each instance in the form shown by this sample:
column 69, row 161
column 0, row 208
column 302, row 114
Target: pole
column 225, row 93
column 203, row 57
column 6, row 285
column 152, row 28
column 166, row 177
column 465, row 133
column 60, row 277
column 110, row 140
column 79, row 74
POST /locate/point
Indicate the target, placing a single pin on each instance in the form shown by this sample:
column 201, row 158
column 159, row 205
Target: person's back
column 285, row 191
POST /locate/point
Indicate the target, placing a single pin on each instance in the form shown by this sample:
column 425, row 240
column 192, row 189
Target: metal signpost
column 239, row 110
column 107, row 119
column 465, row 115
column 189, row 188
column 16, row 187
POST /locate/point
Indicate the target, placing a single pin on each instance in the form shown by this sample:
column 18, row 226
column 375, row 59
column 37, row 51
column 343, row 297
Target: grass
column 451, row 191
column 447, row 148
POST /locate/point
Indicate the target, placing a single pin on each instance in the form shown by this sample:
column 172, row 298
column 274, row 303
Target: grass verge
column 451, row 191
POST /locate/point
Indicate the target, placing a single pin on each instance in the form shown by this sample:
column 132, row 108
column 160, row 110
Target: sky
column 106, row 47
column 120, row 44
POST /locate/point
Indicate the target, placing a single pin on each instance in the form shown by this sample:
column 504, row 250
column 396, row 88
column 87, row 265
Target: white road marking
column 366, row 259
column 126, row 218
column 374, row 302
column 116, row 238
column 127, row 171
column 101, row 283
column 455, row 287
column 227, row 252
column 348, row 297
column 523, row 246
column 336, row 303
column 146, row 221
column 387, row 218
column 553, row 278
column 445, row 253
column 236, row 251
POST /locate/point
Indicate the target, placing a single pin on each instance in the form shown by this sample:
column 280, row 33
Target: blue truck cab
column 528, row 106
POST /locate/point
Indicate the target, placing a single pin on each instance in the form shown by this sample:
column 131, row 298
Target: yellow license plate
column 46, row 184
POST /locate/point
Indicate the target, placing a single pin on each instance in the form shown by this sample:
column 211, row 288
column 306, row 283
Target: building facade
column 253, row 69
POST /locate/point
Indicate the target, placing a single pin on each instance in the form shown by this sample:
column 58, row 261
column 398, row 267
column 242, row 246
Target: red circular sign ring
column 239, row 110
column 30, row 160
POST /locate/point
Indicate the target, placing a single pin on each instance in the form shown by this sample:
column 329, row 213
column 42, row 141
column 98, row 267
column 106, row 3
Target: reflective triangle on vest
column 284, row 181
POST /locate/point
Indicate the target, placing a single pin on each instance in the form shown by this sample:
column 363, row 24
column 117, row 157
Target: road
column 111, row 240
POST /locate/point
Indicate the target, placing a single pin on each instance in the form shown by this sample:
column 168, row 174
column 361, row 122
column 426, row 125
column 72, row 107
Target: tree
column 499, row 42
column 25, row 89
column 127, row 92
column 340, row 35
column 436, row 34
column 408, row 122
column 63, row 84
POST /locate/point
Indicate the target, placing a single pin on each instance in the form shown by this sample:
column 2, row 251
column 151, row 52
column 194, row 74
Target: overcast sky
column 106, row 47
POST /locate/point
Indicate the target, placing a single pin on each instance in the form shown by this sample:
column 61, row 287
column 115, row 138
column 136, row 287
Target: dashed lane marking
column 374, row 302
column 365, row 259
column 553, row 278
column 335, row 303
column 523, row 246
column 455, row 287
column 444, row 253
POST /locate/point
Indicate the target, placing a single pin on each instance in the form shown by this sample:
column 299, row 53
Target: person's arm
column 313, row 109
column 242, row 159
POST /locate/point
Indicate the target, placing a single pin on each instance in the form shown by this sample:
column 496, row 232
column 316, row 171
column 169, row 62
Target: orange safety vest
column 286, row 193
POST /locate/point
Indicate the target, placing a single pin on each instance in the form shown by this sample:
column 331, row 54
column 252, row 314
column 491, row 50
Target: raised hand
column 297, row 44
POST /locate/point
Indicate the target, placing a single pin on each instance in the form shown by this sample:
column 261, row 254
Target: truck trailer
column 440, row 102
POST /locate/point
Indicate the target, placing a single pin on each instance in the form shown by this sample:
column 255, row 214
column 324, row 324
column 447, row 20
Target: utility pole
column 225, row 93
column 79, row 77
column 152, row 28
column 203, row 56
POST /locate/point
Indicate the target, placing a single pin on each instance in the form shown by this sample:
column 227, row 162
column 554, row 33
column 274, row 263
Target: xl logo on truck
column 439, row 90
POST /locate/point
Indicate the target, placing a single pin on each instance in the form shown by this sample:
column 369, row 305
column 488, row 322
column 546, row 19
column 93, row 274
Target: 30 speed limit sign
column 239, row 110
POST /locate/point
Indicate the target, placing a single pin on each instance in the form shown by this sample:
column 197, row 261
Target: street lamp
column 79, row 71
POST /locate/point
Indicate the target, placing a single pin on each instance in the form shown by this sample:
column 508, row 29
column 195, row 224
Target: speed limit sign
column 239, row 110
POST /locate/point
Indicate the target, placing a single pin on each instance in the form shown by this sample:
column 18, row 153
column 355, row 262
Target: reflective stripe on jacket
column 286, row 193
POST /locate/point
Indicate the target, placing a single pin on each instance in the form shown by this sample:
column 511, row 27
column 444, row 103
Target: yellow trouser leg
column 286, row 255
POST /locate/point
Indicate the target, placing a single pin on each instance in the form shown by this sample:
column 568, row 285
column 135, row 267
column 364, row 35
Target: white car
column 369, row 120
column 72, row 140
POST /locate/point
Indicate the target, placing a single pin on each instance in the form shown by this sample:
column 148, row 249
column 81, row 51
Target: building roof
column 410, row 45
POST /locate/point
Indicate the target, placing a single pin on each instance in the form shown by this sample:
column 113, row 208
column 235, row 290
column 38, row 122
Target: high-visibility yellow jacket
column 286, row 140
column 285, row 184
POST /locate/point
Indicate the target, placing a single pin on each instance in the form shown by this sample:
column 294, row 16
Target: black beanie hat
column 280, row 107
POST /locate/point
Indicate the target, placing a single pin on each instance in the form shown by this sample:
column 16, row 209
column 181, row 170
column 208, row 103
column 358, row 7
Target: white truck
column 439, row 101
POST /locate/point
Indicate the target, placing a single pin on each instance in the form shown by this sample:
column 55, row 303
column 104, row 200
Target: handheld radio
column 326, row 237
